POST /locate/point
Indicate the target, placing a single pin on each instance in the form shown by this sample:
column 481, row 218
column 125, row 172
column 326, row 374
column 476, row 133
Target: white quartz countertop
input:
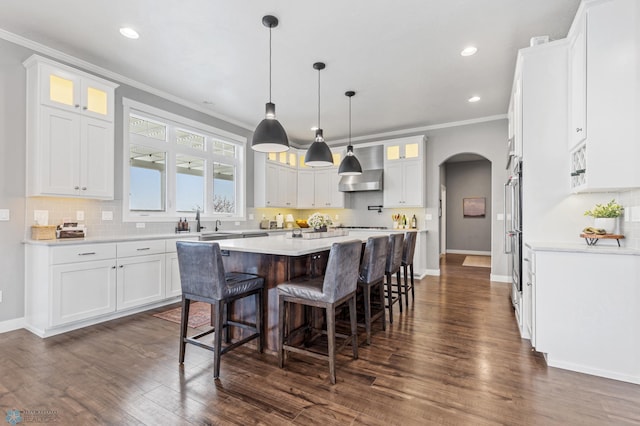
column 357, row 233
column 283, row 245
column 583, row 247
column 287, row 246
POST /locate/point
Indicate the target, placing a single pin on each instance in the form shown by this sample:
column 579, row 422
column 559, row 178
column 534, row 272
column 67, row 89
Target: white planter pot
column 609, row 224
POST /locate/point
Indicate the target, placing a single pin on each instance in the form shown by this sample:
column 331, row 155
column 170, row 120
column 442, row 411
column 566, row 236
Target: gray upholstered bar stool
column 203, row 279
column 394, row 259
column 408, row 251
column 336, row 287
column 372, row 275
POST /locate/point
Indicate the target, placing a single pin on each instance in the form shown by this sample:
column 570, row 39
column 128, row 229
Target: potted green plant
column 605, row 216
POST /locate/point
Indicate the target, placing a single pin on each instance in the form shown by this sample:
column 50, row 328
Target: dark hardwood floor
column 454, row 357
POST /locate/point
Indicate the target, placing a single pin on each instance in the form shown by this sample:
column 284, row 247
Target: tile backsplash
column 66, row 209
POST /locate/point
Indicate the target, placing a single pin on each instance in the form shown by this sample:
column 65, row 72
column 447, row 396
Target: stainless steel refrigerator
column 513, row 226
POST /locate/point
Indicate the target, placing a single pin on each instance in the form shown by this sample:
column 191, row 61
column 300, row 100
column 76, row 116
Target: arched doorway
column 466, row 205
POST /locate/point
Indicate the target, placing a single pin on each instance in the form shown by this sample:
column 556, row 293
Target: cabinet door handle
column 77, row 105
column 84, row 188
column 76, row 187
column 89, row 253
column 144, row 248
column 113, row 267
column 121, row 266
column 578, row 129
column 84, row 108
column 529, row 284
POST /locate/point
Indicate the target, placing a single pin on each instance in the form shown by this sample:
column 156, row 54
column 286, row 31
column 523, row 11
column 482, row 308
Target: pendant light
column 319, row 154
column 350, row 165
column 270, row 136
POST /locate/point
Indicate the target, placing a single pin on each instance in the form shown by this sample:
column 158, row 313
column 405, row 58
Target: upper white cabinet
column 578, row 84
column 404, row 172
column 605, row 157
column 318, row 188
column 275, row 183
column 70, row 133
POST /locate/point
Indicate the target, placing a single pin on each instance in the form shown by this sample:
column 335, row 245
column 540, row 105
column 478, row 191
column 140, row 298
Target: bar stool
column 371, row 275
column 336, row 287
column 203, row 279
column 408, row 251
column 394, row 259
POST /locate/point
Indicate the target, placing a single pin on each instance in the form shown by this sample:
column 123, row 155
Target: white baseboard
column 471, row 252
column 12, row 324
column 433, row 272
column 500, row 278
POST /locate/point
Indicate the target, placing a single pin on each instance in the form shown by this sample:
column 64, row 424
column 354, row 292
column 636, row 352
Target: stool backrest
column 409, row 247
column 341, row 275
column 374, row 259
column 201, row 269
column 394, row 257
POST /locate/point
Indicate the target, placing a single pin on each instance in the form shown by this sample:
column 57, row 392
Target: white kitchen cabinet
column 83, row 283
column 287, row 187
column 140, row 280
column 578, row 84
column 319, row 189
column 70, row 133
column 275, row 184
column 606, row 158
column 404, row 172
column 69, row 285
column 141, row 269
column 403, row 184
column 76, row 156
column 82, row 290
column 586, row 315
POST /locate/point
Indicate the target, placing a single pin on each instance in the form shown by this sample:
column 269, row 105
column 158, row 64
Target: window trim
column 178, row 122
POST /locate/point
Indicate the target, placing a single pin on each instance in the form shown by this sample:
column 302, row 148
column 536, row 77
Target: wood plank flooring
column 454, row 357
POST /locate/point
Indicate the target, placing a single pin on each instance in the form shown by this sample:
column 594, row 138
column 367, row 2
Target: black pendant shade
column 350, row 165
column 319, row 154
column 270, row 136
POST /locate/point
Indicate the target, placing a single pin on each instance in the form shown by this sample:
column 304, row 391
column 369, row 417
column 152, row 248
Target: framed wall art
column 473, row 207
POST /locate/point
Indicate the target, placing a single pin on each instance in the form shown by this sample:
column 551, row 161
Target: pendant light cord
column 319, row 127
column 270, row 63
column 350, row 125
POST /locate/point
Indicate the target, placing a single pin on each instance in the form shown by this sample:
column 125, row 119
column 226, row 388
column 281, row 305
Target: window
column 175, row 166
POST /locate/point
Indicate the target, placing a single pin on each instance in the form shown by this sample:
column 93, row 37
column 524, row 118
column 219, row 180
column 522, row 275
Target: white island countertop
column 287, row 246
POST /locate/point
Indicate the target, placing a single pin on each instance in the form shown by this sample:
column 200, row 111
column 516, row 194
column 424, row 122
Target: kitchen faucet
column 198, row 227
column 218, row 222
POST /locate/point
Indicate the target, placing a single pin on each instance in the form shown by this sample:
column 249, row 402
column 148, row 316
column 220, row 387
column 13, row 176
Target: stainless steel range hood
column 371, row 160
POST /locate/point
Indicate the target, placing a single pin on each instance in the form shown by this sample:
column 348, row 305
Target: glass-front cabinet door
column 66, row 90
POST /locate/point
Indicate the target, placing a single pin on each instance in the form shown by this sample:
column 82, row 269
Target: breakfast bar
column 277, row 259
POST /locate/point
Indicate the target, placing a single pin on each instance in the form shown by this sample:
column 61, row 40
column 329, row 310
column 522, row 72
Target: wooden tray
column 592, row 239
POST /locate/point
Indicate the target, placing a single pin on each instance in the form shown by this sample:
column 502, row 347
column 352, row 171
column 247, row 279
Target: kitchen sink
column 212, row 236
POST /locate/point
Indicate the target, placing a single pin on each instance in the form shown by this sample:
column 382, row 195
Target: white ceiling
column 402, row 57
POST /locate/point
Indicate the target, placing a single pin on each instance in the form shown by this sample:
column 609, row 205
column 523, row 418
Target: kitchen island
column 277, row 259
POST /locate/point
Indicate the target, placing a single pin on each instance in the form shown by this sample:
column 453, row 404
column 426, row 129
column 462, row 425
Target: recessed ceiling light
column 474, row 99
column 129, row 33
column 469, row 50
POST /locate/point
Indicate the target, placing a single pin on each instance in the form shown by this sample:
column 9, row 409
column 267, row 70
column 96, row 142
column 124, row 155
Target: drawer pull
column 144, row 248
column 89, row 253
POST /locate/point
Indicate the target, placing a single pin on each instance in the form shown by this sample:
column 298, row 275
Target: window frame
column 173, row 123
